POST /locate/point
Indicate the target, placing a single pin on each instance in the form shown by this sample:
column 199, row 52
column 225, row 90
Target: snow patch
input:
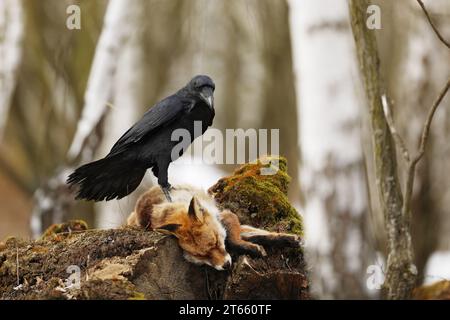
column 438, row 267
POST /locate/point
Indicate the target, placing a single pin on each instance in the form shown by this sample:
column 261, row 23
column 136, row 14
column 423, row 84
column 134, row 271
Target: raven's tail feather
column 106, row 179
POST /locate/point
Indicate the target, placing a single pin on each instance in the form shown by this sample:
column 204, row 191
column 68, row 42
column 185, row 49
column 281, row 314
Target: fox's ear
column 170, row 228
column 195, row 210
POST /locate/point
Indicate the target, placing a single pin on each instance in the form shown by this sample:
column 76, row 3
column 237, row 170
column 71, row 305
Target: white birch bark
column 118, row 26
column 332, row 172
column 11, row 36
column 133, row 99
column 129, row 99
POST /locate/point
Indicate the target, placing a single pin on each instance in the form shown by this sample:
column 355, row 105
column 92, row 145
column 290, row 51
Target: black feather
column 147, row 144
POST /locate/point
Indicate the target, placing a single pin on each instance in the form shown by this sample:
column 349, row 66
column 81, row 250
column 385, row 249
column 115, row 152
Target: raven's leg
column 163, row 167
column 155, row 170
column 167, row 193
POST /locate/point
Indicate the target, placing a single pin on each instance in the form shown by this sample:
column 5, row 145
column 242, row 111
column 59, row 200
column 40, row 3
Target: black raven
column 148, row 144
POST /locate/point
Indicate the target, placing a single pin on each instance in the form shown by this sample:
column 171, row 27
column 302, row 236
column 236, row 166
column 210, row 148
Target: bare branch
column 423, row 142
column 438, row 34
column 390, row 121
column 426, row 127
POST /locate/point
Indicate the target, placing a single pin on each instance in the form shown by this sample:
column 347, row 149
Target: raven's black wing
column 161, row 114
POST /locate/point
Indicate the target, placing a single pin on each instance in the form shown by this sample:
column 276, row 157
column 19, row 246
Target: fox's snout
column 218, row 259
column 226, row 265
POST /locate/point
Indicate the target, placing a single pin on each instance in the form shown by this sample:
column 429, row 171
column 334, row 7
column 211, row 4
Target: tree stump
column 129, row 263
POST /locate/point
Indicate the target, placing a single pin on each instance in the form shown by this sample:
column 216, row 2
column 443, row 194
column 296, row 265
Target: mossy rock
column 260, row 199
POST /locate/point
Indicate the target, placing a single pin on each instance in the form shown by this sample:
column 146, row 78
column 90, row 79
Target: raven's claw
column 166, row 191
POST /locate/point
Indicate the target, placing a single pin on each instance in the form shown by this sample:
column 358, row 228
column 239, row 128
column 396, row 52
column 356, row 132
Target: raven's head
column 202, row 87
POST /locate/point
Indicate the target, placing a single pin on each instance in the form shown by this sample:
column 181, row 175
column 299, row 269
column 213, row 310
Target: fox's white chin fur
column 196, row 261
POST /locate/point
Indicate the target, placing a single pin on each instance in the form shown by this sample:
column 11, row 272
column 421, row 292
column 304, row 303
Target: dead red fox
column 201, row 228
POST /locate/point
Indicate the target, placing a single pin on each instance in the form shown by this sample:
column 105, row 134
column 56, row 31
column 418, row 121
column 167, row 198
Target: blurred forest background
column 277, row 64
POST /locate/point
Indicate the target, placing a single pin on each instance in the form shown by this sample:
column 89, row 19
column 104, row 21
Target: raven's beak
column 207, row 95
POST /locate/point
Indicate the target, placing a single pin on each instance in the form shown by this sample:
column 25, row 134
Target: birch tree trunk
column 401, row 271
column 117, row 29
column 11, row 36
column 332, row 169
column 53, row 198
column 128, row 99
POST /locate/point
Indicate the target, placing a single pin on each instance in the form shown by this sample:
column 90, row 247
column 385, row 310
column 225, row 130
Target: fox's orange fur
column 200, row 227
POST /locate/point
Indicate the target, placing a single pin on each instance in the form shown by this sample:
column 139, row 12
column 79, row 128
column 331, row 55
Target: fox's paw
column 292, row 241
column 276, row 240
column 252, row 249
column 261, row 251
column 256, row 251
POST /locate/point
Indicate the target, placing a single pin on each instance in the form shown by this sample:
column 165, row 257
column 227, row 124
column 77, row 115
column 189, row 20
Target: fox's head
column 199, row 234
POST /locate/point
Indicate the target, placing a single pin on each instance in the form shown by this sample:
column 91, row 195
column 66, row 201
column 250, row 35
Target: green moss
column 137, row 296
column 260, row 200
